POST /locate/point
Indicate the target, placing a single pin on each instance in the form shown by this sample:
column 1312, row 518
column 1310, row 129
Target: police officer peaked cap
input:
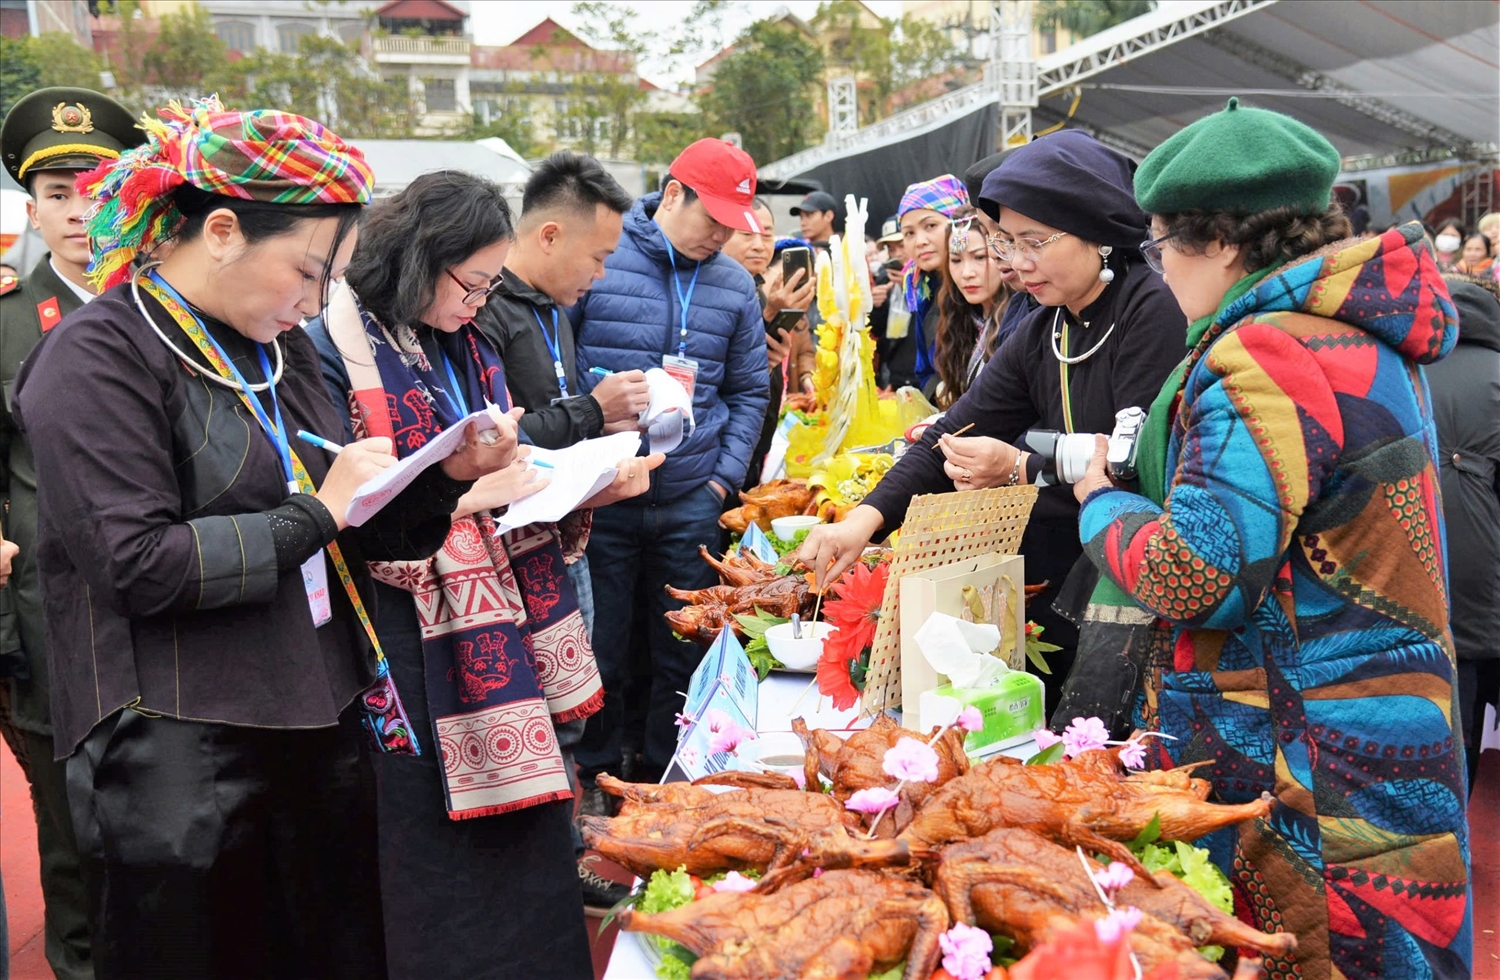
column 65, row 129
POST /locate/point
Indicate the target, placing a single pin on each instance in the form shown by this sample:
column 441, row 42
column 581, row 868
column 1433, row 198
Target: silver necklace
column 1057, row 335
column 192, row 365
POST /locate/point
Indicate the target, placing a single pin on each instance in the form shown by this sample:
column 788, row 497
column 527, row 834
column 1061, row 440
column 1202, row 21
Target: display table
column 778, row 704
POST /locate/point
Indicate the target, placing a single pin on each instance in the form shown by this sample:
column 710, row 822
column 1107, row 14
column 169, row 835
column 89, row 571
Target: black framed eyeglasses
column 474, row 295
column 1151, row 251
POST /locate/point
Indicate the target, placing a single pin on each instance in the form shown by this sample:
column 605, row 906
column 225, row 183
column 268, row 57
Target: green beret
column 1241, row 161
column 65, row 129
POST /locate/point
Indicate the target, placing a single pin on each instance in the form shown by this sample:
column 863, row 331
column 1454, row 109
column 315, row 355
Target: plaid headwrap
column 262, row 155
column 944, row 195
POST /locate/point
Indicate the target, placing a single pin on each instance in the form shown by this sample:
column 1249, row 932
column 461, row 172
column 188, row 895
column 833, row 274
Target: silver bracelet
column 1015, row 471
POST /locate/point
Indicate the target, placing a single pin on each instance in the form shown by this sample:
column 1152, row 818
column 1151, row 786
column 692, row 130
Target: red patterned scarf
column 504, row 648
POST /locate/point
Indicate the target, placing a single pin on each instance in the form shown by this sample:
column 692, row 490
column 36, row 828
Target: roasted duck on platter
column 738, row 830
column 748, row 584
column 1018, row 883
column 765, row 503
column 854, row 763
column 1006, row 847
column 843, row 925
column 1081, row 802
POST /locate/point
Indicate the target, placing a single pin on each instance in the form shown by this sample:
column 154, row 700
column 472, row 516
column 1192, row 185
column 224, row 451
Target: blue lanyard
column 275, row 431
column 683, row 302
column 455, row 393
column 555, row 348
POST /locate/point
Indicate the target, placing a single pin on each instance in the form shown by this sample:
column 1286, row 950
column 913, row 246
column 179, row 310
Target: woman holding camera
column 1289, row 536
column 206, row 602
column 1103, row 338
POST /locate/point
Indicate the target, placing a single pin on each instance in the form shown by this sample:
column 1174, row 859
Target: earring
column 1106, row 274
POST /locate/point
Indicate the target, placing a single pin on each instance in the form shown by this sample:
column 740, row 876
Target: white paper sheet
column 668, row 419
column 577, row 473
column 382, row 488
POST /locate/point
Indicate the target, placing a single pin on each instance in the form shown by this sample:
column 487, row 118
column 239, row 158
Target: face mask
column 1448, row 243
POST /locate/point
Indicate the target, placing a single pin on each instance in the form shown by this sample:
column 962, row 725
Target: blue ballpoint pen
column 600, row 372
column 318, row 441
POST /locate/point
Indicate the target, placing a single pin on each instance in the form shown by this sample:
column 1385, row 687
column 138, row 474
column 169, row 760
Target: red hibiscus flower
column 856, row 613
column 1077, row 954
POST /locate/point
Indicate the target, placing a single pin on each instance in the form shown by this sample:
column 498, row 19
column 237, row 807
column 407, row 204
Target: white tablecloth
column 783, row 696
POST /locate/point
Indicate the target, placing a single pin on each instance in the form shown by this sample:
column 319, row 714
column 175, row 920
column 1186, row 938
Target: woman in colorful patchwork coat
column 1287, row 533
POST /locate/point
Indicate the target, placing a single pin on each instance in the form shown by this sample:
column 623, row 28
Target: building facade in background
column 19, row 18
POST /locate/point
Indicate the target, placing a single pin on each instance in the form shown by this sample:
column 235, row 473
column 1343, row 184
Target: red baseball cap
column 723, row 175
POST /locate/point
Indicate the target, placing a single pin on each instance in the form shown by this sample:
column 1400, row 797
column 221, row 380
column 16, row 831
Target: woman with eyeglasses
column 971, row 302
column 1104, row 336
column 486, row 640
column 1286, row 536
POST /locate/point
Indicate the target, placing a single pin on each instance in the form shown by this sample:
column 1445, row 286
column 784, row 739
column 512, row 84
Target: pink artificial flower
column 966, row 952
column 1133, row 754
column 1045, row 738
column 876, row 799
column 1084, row 735
column 1113, row 878
column 799, row 778
column 817, row 872
column 735, row 882
column 970, row 720
column 683, row 720
column 729, row 738
column 1119, row 922
column 911, row 761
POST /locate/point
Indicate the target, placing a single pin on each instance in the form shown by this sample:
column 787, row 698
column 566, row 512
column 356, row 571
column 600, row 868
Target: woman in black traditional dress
column 205, row 598
column 1105, row 335
column 477, row 865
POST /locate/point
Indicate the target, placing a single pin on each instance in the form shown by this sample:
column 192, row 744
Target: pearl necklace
column 192, row 365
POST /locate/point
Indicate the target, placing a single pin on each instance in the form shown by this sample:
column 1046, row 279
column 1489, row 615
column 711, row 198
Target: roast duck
column 748, row 584
column 998, row 844
column 776, row 498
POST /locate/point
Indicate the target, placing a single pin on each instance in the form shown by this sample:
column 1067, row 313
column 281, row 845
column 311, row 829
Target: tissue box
column 940, row 590
column 1012, row 710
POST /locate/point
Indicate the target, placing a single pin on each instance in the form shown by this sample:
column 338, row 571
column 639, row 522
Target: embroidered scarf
column 504, row 649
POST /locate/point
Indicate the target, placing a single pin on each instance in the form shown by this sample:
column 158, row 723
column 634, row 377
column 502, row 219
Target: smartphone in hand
column 793, row 259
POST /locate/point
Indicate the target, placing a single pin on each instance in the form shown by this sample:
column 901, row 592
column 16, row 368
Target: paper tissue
column 1010, row 701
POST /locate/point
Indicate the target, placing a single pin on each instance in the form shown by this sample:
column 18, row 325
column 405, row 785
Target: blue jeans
column 636, row 549
column 570, row 732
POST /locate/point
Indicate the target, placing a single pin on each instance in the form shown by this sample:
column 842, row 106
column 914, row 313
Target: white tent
column 396, row 162
column 1390, row 82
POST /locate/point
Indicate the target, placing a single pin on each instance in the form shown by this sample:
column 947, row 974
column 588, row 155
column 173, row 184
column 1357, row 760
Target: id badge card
column 315, row 581
column 683, row 370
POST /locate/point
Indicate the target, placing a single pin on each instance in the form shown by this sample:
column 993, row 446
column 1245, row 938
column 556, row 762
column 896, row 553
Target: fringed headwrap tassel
column 262, row 155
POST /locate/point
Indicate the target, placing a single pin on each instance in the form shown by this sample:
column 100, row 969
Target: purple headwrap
column 944, row 195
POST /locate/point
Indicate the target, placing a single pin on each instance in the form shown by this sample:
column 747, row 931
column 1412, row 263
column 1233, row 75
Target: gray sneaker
column 600, row 894
column 594, row 802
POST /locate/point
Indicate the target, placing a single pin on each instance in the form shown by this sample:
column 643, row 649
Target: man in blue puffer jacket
column 670, row 300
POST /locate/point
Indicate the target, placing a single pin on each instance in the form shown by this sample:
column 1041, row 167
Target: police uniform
column 69, row 129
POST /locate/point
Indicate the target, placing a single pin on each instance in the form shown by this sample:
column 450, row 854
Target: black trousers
column 1478, row 685
column 213, row 851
